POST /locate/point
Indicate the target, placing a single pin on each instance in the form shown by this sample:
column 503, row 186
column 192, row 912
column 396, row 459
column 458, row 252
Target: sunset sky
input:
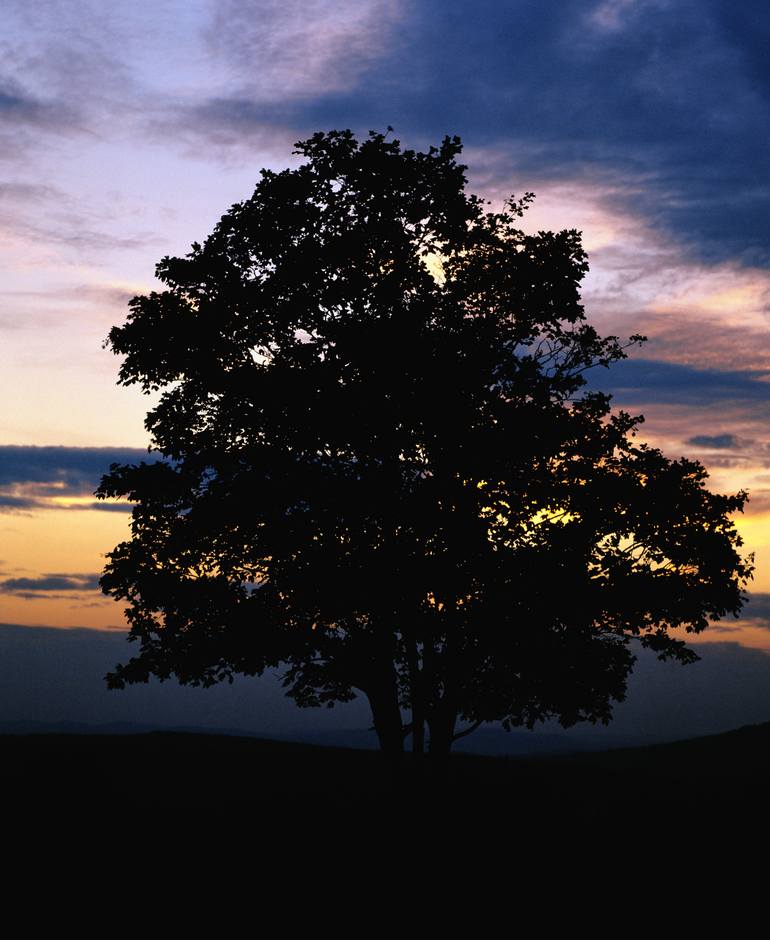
column 127, row 130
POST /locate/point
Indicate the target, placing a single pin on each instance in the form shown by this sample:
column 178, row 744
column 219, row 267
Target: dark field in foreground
column 721, row 779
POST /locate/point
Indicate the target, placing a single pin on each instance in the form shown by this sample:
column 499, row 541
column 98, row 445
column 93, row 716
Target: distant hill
column 492, row 741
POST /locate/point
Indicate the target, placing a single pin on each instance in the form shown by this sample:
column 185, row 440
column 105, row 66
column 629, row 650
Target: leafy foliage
column 383, row 468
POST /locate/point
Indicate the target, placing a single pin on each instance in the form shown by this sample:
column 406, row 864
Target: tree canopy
column 383, row 468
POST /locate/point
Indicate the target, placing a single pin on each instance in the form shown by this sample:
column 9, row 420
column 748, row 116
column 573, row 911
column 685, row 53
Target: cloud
column 674, row 427
column 17, row 106
column 25, row 115
column 715, row 343
column 228, row 130
column 51, row 587
column 290, row 48
column 758, row 608
column 26, row 193
column 14, row 105
column 90, row 72
column 74, row 470
column 34, row 478
column 637, row 381
column 613, row 15
column 44, row 216
column 64, row 52
column 26, row 504
column 47, row 584
column 44, row 306
column 663, row 101
column 716, row 441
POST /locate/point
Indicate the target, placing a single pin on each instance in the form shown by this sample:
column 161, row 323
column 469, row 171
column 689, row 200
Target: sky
column 127, row 130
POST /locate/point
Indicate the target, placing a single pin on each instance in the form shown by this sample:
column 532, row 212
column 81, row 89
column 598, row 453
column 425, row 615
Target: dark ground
column 720, row 781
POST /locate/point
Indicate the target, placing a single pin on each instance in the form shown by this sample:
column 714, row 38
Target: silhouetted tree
column 383, row 469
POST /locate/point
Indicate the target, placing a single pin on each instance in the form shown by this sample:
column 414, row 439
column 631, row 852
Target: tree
column 383, row 468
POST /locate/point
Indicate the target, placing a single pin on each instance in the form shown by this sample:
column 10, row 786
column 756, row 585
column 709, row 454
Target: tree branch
column 461, row 734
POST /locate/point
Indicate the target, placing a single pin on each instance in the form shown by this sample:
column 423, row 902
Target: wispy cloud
column 46, row 218
column 291, row 49
column 614, row 15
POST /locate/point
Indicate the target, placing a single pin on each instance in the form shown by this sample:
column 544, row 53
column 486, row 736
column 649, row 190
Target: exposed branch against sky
column 127, row 130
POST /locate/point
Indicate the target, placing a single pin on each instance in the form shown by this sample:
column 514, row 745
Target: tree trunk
column 386, row 714
column 417, row 696
column 442, row 728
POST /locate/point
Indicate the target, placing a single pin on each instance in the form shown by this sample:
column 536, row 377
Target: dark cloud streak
column 640, row 381
column 50, row 586
column 77, row 469
column 32, row 478
column 26, row 504
column 51, row 582
column 715, row 442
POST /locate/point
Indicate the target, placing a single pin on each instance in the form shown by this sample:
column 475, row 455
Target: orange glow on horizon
column 60, row 541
